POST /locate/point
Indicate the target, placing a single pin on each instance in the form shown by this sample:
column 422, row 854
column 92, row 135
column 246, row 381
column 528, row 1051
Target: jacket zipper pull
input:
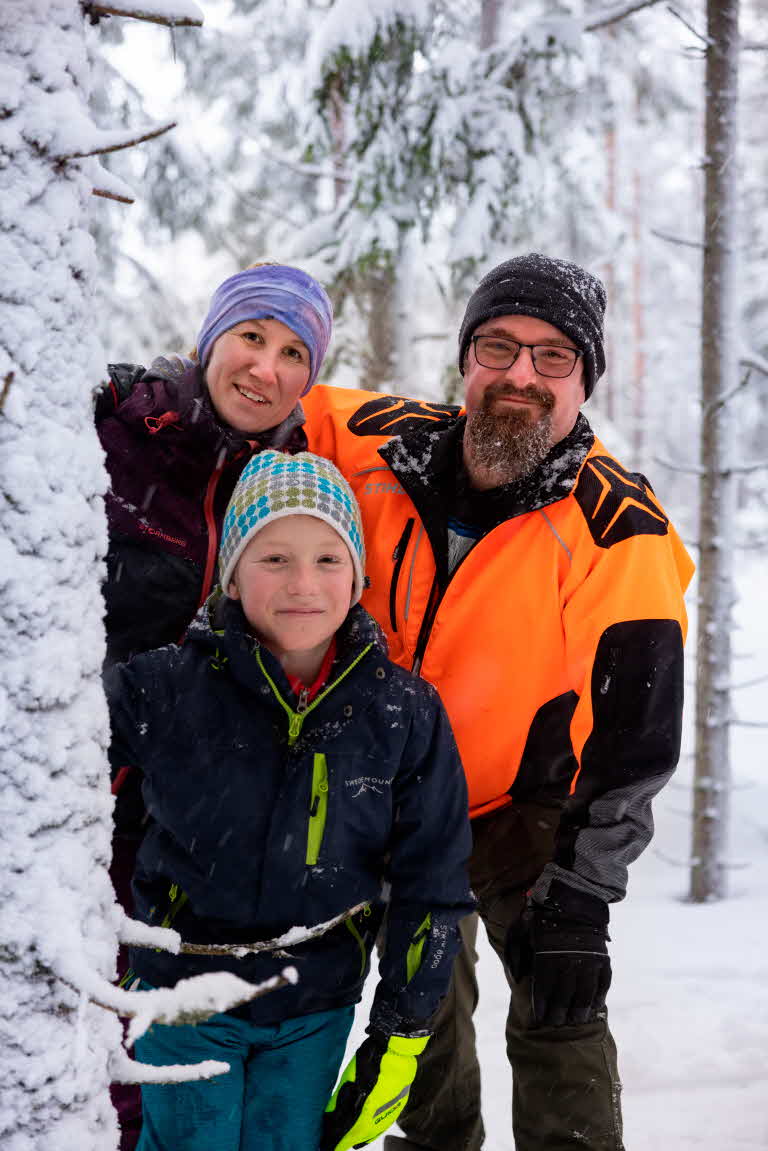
column 303, row 700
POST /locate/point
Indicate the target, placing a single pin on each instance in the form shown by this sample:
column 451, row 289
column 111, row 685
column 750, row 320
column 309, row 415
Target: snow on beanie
column 561, row 293
column 271, row 291
column 273, row 485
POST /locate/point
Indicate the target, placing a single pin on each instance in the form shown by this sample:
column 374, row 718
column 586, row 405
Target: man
column 539, row 586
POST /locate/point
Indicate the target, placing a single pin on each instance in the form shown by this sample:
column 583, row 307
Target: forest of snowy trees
column 396, row 149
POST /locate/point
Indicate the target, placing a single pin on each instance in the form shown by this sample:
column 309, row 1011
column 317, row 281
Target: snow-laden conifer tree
column 60, row 1038
column 57, row 903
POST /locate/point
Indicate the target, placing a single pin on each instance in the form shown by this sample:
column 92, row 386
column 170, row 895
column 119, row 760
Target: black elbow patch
column 637, row 703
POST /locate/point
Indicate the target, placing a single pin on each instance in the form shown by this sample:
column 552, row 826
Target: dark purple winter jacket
column 172, row 467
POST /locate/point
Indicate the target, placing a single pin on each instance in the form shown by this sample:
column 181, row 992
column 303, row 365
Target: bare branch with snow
column 291, row 938
column 124, row 140
column 175, row 14
column 190, row 1001
column 678, row 16
column 721, row 401
column 676, row 239
column 110, row 186
column 755, row 362
column 616, row 12
column 123, row 1069
column 686, row 469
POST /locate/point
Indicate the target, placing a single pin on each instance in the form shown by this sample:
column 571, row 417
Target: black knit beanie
column 563, row 294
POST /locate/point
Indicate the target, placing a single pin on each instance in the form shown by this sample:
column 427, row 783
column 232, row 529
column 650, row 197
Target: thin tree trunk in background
column 489, row 22
column 719, row 378
column 379, row 293
column 639, row 414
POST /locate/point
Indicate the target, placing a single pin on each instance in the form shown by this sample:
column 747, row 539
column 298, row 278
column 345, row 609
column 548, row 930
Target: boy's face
column 294, row 580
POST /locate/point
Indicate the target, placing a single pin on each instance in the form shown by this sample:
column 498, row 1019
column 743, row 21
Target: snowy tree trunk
column 719, row 381
column 378, row 298
column 489, row 22
column 56, row 906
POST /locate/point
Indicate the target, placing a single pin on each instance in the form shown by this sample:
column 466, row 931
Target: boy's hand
column 372, row 1091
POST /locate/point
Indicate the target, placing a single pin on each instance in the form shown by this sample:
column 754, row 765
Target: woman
column 176, row 437
column 178, row 434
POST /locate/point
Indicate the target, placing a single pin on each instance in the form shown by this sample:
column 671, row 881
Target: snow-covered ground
column 689, row 1001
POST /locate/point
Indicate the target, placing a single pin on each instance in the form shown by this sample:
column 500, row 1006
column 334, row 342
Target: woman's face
column 256, row 373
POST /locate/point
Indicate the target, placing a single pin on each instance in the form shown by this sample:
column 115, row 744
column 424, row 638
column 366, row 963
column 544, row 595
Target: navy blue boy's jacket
column 263, row 818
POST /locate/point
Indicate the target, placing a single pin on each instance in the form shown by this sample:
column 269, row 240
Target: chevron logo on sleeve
column 617, row 504
column 395, row 415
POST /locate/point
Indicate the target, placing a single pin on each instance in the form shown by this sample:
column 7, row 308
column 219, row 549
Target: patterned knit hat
column 277, row 292
column 561, row 293
column 273, row 485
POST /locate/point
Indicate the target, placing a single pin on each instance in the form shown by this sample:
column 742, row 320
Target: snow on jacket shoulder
column 252, row 832
column 172, row 469
column 556, row 644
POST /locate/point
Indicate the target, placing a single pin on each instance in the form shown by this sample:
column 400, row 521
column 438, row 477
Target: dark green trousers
column 565, row 1082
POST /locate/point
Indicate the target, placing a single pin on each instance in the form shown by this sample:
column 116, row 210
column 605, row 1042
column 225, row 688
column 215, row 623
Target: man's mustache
column 536, row 395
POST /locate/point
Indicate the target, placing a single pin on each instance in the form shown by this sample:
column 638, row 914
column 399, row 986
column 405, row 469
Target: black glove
column 561, row 944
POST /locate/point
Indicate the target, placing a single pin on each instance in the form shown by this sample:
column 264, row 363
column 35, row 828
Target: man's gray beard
column 507, row 446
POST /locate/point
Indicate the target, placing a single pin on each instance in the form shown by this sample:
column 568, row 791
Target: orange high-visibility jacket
column 556, row 645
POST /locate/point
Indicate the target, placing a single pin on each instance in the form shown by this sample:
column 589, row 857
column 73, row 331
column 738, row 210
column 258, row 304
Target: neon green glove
column 372, row 1091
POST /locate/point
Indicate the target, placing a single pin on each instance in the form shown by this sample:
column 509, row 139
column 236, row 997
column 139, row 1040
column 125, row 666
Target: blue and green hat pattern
column 273, row 485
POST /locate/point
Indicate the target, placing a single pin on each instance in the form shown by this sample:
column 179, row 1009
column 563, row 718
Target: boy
column 292, row 772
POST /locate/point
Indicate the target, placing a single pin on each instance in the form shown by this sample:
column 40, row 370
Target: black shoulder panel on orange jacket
column 396, row 416
column 616, row 503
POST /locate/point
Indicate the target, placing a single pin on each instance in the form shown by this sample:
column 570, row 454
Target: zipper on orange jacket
column 433, row 603
column 398, row 556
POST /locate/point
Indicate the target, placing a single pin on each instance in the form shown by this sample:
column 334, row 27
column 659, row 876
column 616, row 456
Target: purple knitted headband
column 271, row 291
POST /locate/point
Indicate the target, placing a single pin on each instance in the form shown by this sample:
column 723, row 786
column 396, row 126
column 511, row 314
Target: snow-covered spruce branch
column 137, row 934
column 171, row 13
column 615, row 12
column 117, row 141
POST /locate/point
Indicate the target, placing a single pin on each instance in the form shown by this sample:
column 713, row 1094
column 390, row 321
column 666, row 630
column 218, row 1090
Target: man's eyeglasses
column 548, row 359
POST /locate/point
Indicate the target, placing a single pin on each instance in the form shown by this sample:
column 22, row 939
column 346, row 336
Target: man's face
column 520, row 391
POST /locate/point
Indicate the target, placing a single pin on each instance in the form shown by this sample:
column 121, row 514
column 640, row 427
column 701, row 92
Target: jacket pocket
column 318, row 808
column 398, row 556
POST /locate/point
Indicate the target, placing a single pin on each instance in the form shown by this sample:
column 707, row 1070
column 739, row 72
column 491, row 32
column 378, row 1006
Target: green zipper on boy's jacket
column 318, row 802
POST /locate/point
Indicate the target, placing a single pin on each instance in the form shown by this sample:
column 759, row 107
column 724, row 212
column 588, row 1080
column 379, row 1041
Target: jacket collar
column 221, row 629
column 428, row 464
